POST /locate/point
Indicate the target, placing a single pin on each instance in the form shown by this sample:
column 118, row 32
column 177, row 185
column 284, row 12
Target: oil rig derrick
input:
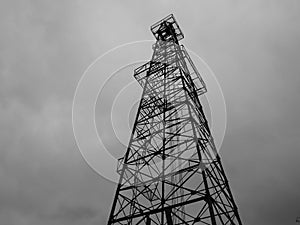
column 171, row 172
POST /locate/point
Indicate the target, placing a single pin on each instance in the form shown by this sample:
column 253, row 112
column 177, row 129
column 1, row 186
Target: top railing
column 159, row 26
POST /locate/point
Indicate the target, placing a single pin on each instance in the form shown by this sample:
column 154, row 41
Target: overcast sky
column 45, row 46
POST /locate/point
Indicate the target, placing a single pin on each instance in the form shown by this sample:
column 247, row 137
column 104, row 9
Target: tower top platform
column 167, row 29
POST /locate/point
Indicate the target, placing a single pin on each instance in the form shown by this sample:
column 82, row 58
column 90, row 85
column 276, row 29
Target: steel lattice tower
column 171, row 172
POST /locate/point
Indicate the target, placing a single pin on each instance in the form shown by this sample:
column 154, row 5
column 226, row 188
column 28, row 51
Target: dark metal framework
column 171, row 172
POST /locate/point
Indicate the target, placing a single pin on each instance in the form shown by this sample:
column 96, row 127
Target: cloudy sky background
column 45, row 46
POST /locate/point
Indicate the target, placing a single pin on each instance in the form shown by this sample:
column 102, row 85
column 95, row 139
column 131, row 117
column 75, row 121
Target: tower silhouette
column 171, row 172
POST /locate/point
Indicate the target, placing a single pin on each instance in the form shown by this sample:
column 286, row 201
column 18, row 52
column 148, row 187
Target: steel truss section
column 171, row 172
